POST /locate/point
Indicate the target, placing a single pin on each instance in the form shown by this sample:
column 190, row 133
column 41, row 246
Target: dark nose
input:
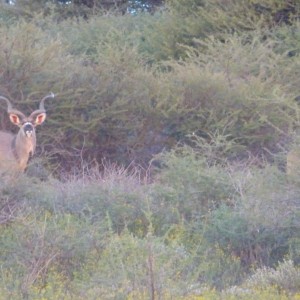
column 28, row 128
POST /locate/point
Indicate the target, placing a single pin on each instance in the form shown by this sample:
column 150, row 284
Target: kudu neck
column 23, row 147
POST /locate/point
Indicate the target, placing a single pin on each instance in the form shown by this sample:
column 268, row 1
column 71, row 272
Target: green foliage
column 248, row 229
column 190, row 185
column 138, row 267
column 112, row 234
column 203, row 91
column 118, row 98
column 285, row 277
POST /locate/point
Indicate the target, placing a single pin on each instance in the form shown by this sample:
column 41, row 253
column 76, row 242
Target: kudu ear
column 39, row 119
column 15, row 119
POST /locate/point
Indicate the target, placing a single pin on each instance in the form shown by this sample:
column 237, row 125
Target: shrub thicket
column 195, row 225
column 119, row 98
column 205, row 92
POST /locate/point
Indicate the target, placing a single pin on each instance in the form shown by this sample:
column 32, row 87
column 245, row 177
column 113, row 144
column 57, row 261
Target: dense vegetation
column 160, row 171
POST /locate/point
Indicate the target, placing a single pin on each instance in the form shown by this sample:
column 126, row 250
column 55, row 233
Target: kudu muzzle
column 28, row 129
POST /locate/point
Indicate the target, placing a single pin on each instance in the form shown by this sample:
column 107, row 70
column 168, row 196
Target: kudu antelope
column 293, row 163
column 15, row 150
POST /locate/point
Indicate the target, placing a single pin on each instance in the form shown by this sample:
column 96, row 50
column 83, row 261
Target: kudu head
column 15, row 150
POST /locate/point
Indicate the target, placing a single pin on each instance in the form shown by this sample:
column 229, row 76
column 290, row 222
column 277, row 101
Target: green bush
column 284, row 277
column 139, row 268
column 203, row 91
column 117, row 99
column 189, row 186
